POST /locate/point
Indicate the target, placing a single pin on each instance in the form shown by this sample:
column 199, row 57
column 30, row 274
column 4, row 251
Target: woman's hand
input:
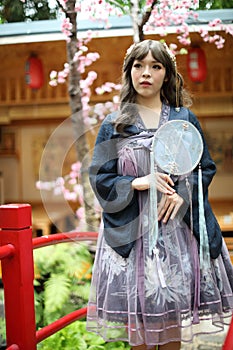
column 163, row 183
column 169, row 206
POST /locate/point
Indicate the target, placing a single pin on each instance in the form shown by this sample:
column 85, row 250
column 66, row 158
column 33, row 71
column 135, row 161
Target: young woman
column 142, row 293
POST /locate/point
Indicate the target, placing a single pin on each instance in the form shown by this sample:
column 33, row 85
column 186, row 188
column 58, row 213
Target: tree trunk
column 140, row 20
column 82, row 146
column 135, row 13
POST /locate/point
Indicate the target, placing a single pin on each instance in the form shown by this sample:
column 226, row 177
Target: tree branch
column 146, row 16
column 117, row 4
column 60, row 6
column 145, row 19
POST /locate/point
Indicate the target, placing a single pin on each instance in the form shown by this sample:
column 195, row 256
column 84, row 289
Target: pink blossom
column 99, row 91
column 80, row 213
column 73, row 174
column 61, row 79
column 53, row 74
column 58, row 191
column 66, row 68
column 53, row 83
column 66, row 28
column 91, row 120
column 59, row 181
column 70, row 196
column 76, row 166
column 72, row 181
column 78, row 189
column 215, row 22
column 108, row 104
column 88, row 61
column 85, row 99
column 228, row 29
column 77, row 55
column 92, row 75
column 77, row 8
column 83, row 48
column 116, row 99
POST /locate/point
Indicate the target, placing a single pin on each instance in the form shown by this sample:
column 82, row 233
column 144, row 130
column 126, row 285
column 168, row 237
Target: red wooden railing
column 16, row 254
column 228, row 343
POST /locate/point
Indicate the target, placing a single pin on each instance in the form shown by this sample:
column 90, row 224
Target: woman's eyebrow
column 143, row 59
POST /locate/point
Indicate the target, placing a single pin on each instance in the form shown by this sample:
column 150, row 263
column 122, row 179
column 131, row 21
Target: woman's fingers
column 162, row 207
column 164, row 183
column 169, row 206
column 168, row 179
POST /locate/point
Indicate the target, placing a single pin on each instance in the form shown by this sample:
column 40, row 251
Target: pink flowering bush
column 70, row 187
column 85, row 58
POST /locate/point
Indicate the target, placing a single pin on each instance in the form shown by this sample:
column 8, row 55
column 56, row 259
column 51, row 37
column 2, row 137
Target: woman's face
column 147, row 77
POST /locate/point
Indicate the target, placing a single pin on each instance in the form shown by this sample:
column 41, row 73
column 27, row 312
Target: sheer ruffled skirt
column 153, row 298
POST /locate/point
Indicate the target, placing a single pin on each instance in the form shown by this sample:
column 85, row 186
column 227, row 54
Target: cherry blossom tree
column 148, row 15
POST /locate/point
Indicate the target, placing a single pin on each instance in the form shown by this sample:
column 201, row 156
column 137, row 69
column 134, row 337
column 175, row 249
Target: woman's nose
column 146, row 72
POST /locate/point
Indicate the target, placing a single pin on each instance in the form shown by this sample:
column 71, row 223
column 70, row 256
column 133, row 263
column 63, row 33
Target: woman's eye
column 157, row 66
column 137, row 65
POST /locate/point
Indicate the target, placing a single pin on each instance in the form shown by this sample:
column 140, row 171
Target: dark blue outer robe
column 119, row 201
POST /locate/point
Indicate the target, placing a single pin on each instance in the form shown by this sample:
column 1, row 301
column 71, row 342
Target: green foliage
column 18, row 11
column 2, row 331
column 2, row 320
column 75, row 336
column 62, row 285
column 62, row 280
column 125, row 5
column 56, row 293
column 215, row 4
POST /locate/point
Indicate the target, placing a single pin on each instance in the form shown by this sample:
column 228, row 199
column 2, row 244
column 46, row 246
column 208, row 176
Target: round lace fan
column 177, row 147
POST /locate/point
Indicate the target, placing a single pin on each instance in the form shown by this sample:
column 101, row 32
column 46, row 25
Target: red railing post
column 228, row 343
column 18, row 275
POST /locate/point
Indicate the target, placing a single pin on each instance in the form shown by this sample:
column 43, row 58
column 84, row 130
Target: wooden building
column 28, row 117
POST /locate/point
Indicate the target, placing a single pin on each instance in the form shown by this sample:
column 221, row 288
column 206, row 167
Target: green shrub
column 76, row 337
column 62, row 280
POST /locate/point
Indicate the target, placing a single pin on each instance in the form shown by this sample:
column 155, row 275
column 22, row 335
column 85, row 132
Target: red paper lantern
column 196, row 62
column 34, row 73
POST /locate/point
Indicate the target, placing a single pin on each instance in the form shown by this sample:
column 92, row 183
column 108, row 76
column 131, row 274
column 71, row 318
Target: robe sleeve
column 208, row 171
column 114, row 192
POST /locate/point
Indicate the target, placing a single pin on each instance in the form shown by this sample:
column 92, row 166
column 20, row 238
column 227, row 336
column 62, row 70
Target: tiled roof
column 47, row 30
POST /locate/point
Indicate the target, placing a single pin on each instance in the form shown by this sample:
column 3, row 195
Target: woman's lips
column 145, row 83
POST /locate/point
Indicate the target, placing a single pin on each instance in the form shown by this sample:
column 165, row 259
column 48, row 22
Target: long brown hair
column 172, row 91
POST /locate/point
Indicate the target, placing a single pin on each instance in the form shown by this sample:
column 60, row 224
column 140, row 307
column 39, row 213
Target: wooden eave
column 213, row 98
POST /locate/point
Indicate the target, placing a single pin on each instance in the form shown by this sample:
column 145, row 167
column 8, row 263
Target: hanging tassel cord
column 153, row 235
column 190, row 203
column 196, row 303
column 204, row 242
column 154, row 227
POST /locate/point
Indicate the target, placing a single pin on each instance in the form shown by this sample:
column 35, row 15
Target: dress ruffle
column 127, row 301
